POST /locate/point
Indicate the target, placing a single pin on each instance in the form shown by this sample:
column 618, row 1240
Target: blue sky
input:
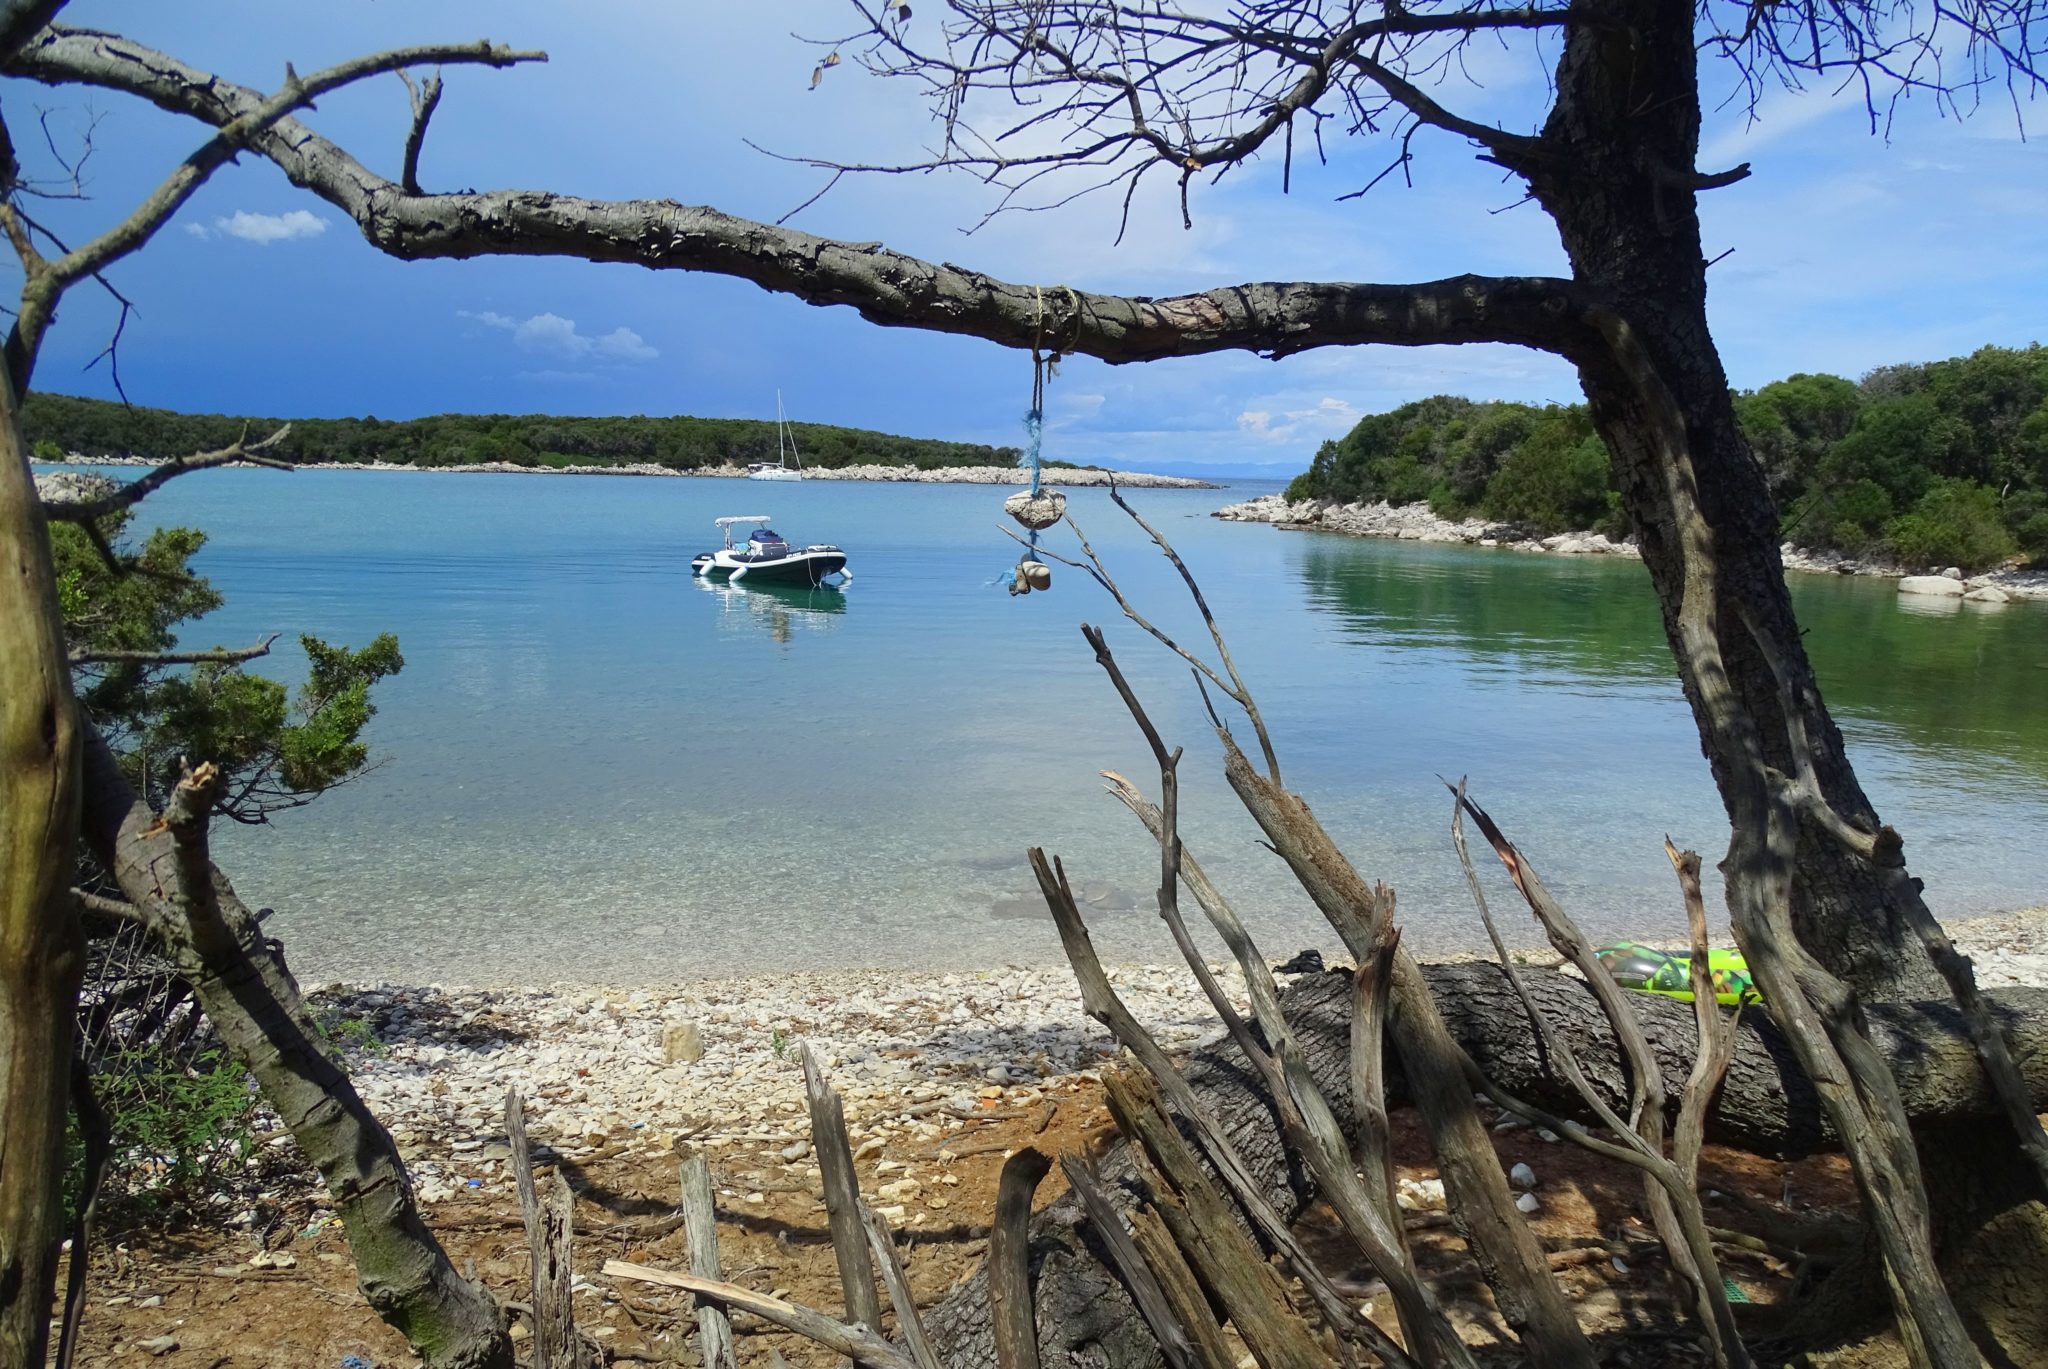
column 1846, row 251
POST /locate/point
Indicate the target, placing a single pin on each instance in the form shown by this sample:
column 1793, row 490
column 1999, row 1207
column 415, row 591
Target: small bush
column 1956, row 523
column 180, row 1133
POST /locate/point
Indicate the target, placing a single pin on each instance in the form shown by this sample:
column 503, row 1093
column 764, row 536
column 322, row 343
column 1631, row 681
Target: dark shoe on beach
column 1308, row 962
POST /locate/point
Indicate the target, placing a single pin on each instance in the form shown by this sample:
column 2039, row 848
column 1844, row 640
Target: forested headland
column 1936, row 463
column 59, row 425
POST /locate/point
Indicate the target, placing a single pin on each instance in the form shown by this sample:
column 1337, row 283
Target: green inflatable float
column 1648, row 970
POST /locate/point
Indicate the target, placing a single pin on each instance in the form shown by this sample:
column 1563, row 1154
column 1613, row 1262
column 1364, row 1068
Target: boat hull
column 812, row 567
column 774, row 473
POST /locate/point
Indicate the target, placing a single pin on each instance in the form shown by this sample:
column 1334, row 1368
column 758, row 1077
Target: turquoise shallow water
column 596, row 768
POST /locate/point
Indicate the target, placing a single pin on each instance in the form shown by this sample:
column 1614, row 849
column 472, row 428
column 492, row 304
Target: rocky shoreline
column 941, row 475
column 1418, row 523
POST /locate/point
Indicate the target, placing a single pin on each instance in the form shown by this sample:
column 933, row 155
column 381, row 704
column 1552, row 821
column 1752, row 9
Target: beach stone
column 1528, row 1202
column 1939, row 585
column 1952, row 573
column 1521, row 1176
column 681, row 1042
column 1036, row 511
column 1988, row 594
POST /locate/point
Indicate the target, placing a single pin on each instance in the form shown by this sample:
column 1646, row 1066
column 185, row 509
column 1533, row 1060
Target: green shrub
column 1556, row 481
column 1958, row 523
column 1302, row 487
column 180, row 1132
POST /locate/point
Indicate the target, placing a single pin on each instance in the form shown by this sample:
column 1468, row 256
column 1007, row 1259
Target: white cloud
column 551, row 335
column 623, row 344
column 1328, row 415
column 261, row 229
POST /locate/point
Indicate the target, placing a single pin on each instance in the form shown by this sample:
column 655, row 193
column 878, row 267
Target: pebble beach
column 715, row 1064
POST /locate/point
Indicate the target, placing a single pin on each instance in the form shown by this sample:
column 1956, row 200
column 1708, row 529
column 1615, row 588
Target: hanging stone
column 1036, row 511
column 1037, row 574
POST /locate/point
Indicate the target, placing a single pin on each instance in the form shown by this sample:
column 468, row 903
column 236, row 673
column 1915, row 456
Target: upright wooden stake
column 700, row 1229
column 548, row 1237
column 842, row 1198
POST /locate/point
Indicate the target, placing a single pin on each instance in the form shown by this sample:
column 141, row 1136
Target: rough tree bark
column 1766, row 1106
column 41, row 947
column 241, row 984
column 1616, row 174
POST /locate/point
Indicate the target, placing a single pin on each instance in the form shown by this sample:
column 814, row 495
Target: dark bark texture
column 1616, row 176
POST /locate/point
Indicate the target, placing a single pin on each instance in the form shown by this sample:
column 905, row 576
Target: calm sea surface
column 596, row 768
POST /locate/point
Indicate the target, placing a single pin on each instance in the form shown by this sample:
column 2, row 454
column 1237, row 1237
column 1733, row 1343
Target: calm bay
column 597, row 769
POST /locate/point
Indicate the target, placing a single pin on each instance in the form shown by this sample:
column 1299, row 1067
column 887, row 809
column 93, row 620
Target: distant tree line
column 1942, row 463
column 64, row 424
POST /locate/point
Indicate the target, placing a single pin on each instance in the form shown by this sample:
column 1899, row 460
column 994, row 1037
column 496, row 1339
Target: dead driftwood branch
column 549, row 1238
column 1669, row 1191
column 897, row 1281
column 857, row 1343
column 700, row 1226
column 842, row 1196
column 1009, row 1260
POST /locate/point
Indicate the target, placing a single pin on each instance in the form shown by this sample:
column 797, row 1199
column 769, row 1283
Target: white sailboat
column 785, row 452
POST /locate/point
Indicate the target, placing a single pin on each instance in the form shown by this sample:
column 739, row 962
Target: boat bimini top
column 726, row 525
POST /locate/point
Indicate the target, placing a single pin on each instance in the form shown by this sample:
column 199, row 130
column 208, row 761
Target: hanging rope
column 1028, row 509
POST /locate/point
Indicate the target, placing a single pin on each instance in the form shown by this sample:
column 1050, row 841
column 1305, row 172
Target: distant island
column 1934, row 464
column 70, row 427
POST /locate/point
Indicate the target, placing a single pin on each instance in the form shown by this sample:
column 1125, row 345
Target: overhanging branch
column 886, row 287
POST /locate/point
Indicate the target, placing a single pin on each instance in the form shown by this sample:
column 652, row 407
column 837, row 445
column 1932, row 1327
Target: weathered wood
column 1528, row 1297
column 897, row 1280
column 1365, row 1207
column 1206, row 1230
column 1669, row 1192
column 1009, row 1260
column 842, row 1196
column 1099, row 1000
column 1181, row 1290
column 858, row 1343
column 1161, row 1313
column 548, row 1242
column 700, row 1231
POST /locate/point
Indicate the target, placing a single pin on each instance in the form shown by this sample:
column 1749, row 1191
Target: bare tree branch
column 221, row 655
column 46, row 283
column 425, row 97
column 886, row 287
column 87, row 512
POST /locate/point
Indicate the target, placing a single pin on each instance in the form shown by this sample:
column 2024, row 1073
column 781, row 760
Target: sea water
column 597, row 768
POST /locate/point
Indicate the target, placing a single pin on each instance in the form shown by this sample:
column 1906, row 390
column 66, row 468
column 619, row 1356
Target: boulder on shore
column 1939, row 585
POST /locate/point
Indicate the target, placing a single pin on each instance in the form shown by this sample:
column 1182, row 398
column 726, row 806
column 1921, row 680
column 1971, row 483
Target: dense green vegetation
column 57, row 424
column 1935, row 464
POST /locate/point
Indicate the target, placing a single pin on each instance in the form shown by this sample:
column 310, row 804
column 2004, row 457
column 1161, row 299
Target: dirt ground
column 218, row 1300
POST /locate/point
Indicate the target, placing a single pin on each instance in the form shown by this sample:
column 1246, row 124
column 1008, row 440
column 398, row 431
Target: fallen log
column 1766, row 1106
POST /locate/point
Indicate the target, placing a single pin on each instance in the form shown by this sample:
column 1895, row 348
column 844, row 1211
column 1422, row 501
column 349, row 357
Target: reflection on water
column 778, row 610
column 1932, row 672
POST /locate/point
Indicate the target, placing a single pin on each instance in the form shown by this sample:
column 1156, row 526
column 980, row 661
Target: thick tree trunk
column 242, row 986
column 1619, row 182
column 1619, row 179
column 1087, row 1322
column 41, row 956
